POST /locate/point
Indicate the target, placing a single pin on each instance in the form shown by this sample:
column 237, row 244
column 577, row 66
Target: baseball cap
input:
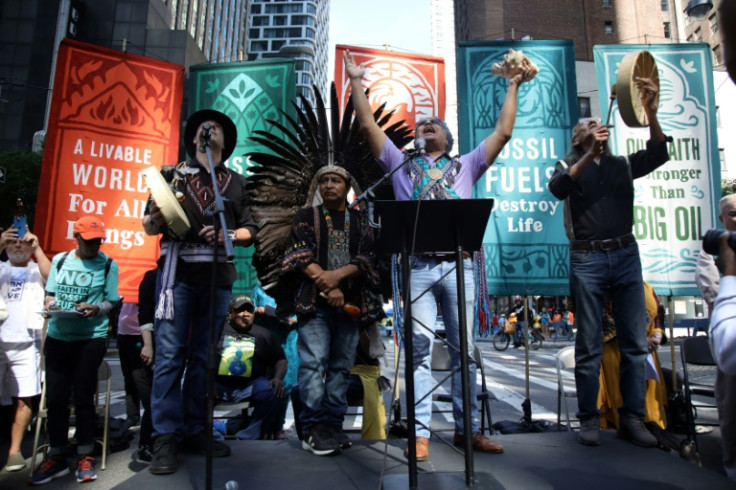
column 238, row 302
column 89, row 227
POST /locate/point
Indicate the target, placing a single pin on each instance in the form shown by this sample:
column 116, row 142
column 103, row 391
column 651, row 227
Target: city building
column 443, row 46
column 186, row 32
column 293, row 29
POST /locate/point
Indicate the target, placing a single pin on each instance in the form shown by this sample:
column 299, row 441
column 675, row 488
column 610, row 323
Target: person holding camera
column 22, row 279
column 720, row 294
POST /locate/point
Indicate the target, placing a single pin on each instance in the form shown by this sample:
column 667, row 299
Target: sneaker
column 163, row 460
column 50, row 469
column 340, row 436
column 16, row 462
column 198, row 444
column 144, row 454
column 86, row 469
column 631, row 428
column 590, row 432
column 319, row 440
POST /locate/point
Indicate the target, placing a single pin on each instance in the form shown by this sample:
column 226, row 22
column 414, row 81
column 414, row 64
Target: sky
column 405, row 25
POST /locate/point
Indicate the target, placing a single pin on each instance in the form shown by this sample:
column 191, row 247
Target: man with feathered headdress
column 317, row 260
column 435, row 175
column 329, row 260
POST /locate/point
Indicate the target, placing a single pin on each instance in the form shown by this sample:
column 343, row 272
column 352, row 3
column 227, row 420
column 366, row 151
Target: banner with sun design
column 525, row 243
column 411, row 85
column 112, row 115
column 675, row 204
column 249, row 93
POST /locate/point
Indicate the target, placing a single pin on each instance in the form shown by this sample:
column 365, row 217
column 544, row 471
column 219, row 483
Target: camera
column 712, row 241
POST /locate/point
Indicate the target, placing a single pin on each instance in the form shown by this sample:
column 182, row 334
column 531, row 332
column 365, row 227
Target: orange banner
column 112, row 115
column 412, row 85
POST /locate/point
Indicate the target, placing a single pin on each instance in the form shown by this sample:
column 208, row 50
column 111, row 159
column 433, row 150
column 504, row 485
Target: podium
column 434, row 226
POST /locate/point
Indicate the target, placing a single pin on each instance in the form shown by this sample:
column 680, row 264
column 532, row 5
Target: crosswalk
column 505, row 378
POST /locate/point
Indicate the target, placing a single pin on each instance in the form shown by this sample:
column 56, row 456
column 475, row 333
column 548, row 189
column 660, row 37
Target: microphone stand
column 369, row 195
column 219, row 224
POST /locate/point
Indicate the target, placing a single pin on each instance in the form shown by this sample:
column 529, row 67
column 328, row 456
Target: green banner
column 525, row 243
column 249, row 93
column 678, row 202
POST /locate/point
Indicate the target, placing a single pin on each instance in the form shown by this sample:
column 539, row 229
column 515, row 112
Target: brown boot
column 480, row 443
column 422, row 445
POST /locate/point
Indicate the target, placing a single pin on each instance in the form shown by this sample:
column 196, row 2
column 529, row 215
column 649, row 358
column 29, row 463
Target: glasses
column 248, row 308
column 429, row 120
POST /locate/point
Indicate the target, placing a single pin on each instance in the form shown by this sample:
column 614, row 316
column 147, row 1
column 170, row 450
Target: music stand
column 436, row 226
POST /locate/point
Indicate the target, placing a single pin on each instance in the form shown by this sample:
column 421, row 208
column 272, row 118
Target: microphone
column 420, row 145
column 205, row 134
column 231, row 485
column 368, row 193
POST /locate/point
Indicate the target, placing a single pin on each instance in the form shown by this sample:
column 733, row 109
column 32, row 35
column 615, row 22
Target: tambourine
column 161, row 193
column 638, row 64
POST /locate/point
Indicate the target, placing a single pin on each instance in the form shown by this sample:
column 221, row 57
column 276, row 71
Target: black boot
column 164, row 455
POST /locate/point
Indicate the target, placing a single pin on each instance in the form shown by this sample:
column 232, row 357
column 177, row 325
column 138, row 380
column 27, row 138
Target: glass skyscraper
column 293, row 29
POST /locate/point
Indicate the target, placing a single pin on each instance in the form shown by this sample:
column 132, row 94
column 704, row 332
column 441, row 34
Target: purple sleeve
column 475, row 161
column 390, row 157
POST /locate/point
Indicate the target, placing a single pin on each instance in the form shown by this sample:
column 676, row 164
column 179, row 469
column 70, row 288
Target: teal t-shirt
column 81, row 281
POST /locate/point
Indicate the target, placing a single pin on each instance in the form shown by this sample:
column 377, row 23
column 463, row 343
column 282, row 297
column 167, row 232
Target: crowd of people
column 329, row 299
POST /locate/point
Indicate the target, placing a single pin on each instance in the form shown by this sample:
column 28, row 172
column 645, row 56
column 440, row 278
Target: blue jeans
column 353, row 394
column 562, row 330
column 425, row 272
column 326, row 343
column 265, row 408
column 519, row 334
column 176, row 407
column 593, row 275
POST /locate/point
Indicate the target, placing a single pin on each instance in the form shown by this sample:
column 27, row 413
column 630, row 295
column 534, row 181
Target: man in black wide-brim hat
column 181, row 329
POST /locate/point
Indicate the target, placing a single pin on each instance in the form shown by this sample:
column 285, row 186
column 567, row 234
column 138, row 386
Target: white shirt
column 723, row 326
column 707, row 278
column 22, row 290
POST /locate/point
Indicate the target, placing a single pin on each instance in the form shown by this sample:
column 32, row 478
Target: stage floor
column 530, row 461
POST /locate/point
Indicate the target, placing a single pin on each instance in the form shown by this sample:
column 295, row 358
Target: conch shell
column 512, row 63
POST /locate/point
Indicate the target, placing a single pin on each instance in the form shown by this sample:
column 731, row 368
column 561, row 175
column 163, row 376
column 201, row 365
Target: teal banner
column 525, row 243
column 249, row 93
column 676, row 204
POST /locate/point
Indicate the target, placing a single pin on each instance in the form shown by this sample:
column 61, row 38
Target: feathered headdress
column 283, row 182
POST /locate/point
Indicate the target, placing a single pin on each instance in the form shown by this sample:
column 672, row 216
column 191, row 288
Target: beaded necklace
column 338, row 242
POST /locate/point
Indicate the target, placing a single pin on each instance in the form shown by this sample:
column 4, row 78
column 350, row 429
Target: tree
column 728, row 186
column 22, row 174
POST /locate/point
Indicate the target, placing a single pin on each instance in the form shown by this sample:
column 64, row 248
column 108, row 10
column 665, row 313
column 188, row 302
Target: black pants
column 138, row 380
column 71, row 370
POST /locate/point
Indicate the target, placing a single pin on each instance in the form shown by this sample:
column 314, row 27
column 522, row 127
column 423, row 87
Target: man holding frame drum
column 181, row 327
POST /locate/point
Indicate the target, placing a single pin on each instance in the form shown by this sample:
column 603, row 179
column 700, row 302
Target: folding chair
column 104, row 376
column 564, row 361
column 700, row 382
column 441, row 363
column 229, row 410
